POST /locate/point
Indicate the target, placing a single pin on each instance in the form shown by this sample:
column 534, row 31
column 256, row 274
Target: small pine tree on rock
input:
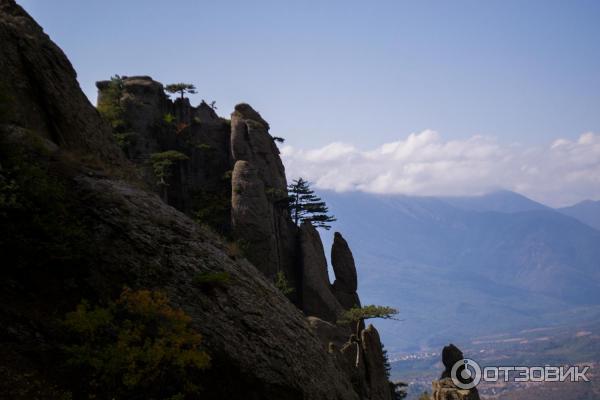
column 181, row 88
column 305, row 205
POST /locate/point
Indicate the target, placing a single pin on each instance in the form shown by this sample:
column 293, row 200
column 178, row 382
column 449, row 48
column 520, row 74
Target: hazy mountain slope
column 587, row 211
column 500, row 201
column 454, row 271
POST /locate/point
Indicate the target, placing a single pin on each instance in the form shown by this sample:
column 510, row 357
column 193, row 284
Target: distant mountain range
column 459, row 267
column 587, row 211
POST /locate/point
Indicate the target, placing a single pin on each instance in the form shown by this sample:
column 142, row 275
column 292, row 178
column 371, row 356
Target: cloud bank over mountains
column 424, row 164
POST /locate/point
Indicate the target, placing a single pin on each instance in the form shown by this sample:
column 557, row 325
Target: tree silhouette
column 304, row 205
column 181, row 88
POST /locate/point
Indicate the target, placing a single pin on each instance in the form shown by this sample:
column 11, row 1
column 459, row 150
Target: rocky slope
column 80, row 221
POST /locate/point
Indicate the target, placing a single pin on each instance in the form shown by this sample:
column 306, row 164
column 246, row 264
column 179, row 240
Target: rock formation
column 444, row 388
column 92, row 223
column 252, row 218
column 252, row 143
column 44, row 94
column 317, row 298
column 346, row 282
column 199, row 184
column 374, row 363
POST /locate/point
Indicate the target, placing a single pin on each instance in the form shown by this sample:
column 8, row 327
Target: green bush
column 110, row 106
column 356, row 314
column 162, row 162
column 282, row 284
column 136, row 347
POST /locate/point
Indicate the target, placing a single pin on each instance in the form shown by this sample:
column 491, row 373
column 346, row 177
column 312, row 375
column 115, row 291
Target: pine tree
column 305, row 205
column 181, row 88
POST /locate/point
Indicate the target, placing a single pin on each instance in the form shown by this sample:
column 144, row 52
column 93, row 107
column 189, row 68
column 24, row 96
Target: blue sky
column 353, row 80
column 358, row 72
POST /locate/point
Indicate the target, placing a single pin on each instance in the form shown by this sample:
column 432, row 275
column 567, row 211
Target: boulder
column 317, row 298
column 374, row 362
column 252, row 218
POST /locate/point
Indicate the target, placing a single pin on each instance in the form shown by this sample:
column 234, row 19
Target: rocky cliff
column 82, row 219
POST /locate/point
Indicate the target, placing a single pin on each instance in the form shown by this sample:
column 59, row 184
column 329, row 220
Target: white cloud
column 424, row 164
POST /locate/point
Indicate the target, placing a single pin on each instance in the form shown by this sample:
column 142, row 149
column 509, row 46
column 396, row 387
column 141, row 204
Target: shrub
column 162, row 162
column 282, row 284
column 136, row 347
column 357, row 314
column 110, row 107
column 204, row 147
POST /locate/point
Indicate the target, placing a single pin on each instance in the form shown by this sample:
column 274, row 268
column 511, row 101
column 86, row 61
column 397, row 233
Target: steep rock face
column 252, row 217
column 102, row 234
column 251, row 142
column 378, row 383
column 260, row 343
column 346, row 282
column 318, row 300
column 332, row 336
column 199, row 184
column 45, row 96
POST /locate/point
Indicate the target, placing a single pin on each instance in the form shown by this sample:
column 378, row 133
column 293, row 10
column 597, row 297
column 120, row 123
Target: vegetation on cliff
column 137, row 346
column 305, row 205
column 181, row 89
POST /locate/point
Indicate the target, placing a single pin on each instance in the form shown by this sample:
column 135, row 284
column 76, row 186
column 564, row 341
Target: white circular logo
column 471, row 370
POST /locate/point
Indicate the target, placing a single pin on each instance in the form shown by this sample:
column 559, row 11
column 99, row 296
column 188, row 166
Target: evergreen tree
column 181, row 88
column 304, row 205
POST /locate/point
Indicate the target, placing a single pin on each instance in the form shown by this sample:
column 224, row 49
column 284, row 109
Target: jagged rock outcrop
column 153, row 124
column 252, row 218
column 251, row 142
column 444, row 388
column 346, row 281
column 318, row 300
column 77, row 231
column 41, row 84
column 260, row 344
column 374, row 363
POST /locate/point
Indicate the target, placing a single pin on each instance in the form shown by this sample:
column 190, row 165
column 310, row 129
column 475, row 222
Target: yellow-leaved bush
column 135, row 346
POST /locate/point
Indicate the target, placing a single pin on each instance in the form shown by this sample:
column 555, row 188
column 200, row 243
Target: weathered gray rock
column 346, row 282
column 251, row 141
column 445, row 389
column 374, row 362
column 197, row 184
column 346, row 299
column 43, row 91
column 317, row 298
column 329, row 333
column 342, row 261
column 252, row 218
